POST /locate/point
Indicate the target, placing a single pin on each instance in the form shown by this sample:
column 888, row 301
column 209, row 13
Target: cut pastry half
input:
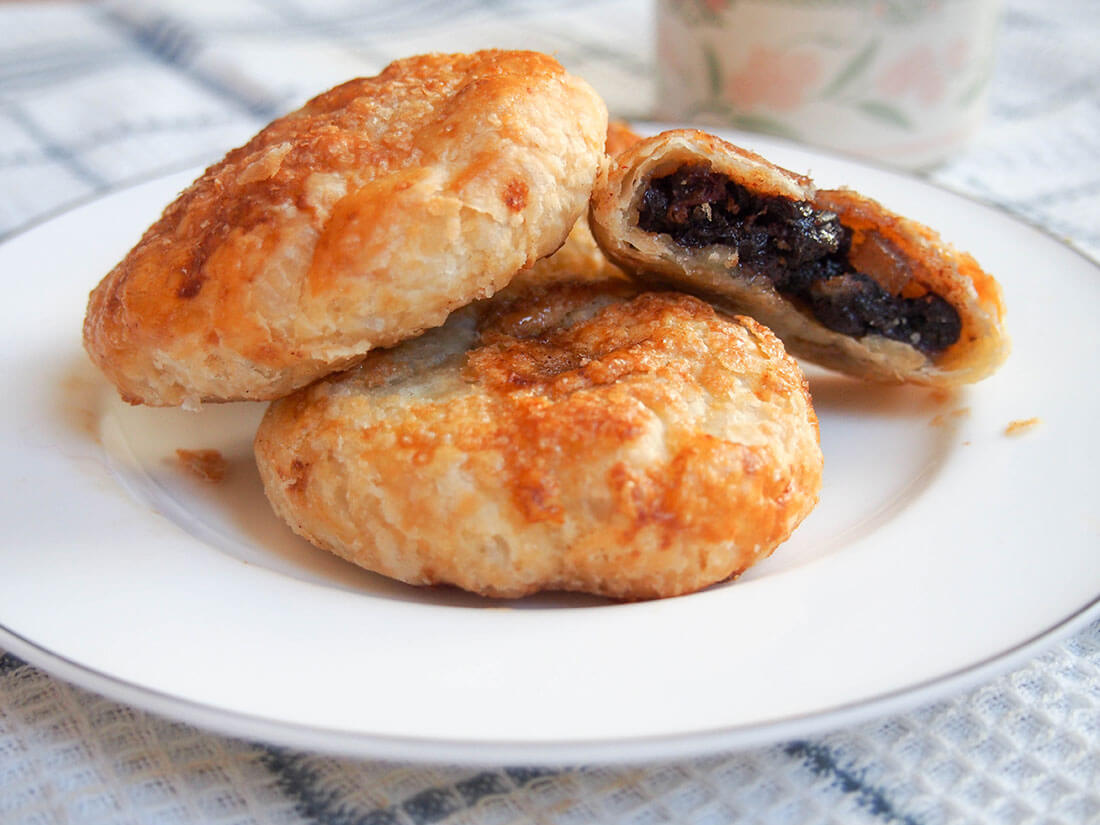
column 843, row 281
column 580, row 257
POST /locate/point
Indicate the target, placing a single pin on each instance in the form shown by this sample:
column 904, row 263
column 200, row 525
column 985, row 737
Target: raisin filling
column 803, row 251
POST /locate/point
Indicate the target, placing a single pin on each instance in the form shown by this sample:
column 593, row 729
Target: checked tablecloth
column 94, row 96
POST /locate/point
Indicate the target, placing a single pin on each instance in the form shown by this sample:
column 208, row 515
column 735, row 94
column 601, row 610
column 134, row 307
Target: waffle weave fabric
column 94, row 97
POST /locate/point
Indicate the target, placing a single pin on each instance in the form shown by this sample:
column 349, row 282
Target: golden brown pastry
column 840, row 279
column 580, row 256
column 573, row 436
column 357, row 221
column 620, row 137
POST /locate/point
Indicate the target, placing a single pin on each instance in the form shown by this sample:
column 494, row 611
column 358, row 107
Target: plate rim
column 424, row 750
column 466, row 751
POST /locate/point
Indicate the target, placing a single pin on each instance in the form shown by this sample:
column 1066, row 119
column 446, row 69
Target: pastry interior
column 805, row 252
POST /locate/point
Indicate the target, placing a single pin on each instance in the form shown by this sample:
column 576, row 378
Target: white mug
column 901, row 81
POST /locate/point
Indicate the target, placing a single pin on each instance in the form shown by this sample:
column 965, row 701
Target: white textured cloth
column 96, row 96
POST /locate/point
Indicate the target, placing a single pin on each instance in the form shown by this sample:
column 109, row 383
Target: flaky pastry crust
column 580, row 257
column 359, row 220
column 573, row 436
column 906, row 256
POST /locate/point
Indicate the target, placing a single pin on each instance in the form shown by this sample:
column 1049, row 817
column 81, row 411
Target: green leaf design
column 976, row 87
column 756, row 123
column 707, row 12
column 906, row 11
column 855, row 67
column 708, row 107
column 885, row 112
column 714, row 71
column 717, row 112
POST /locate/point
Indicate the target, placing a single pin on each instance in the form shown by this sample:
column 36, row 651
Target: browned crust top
column 267, row 228
column 594, row 416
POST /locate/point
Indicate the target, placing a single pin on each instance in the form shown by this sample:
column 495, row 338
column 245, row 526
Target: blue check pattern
column 97, row 96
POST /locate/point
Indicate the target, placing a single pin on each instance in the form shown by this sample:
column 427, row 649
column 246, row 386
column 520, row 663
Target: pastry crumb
column 941, row 419
column 1021, row 426
column 205, row 465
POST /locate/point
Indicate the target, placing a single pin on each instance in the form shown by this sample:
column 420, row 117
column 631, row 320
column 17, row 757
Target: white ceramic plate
column 942, row 549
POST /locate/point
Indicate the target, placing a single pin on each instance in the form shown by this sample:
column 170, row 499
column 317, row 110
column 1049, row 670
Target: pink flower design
column 773, row 79
column 957, row 54
column 915, row 74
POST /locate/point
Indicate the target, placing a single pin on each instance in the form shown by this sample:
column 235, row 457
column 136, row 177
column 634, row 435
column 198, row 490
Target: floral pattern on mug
column 708, row 10
column 773, row 79
column 899, row 80
column 916, row 74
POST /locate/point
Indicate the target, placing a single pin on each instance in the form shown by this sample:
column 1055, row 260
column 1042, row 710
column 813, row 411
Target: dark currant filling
column 803, row 251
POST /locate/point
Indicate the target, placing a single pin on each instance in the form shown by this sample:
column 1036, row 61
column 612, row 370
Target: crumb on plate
column 1021, row 426
column 206, row 465
column 942, row 419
